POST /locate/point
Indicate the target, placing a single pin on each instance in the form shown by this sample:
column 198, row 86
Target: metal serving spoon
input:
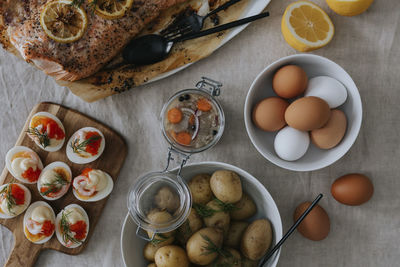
column 290, row 231
column 153, row 48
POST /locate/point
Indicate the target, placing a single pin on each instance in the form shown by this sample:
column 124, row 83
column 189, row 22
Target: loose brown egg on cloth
column 269, row 114
column 352, row 189
column 290, row 81
column 332, row 132
column 316, row 225
column 307, row 113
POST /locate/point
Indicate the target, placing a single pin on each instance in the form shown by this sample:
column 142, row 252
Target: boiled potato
column 256, row 239
column 200, row 189
column 189, row 227
column 171, row 256
column 232, row 258
column 203, row 245
column 152, row 265
column 150, row 250
column 245, row 208
column 157, row 216
column 220, row 219
column 226, row 186
column 166, row 199
column 235, row 234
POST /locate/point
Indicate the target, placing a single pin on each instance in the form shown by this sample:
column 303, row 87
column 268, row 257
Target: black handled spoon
column 152, row 48
column 290, row 231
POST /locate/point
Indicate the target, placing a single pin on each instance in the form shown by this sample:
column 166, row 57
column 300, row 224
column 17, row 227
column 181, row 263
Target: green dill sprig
column 43, row 138
column 226, row 207
column 9, row 198
column 160, row 238
column 80, row 147
column 203, row 210
column 66, row 231
column 55, row 185
column 211, row 248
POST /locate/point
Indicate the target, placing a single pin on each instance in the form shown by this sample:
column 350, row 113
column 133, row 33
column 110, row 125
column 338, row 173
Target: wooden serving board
column 24, row 253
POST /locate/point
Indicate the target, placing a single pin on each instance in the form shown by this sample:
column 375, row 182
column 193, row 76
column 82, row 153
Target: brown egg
column 307, row 113
column 316, row 224
column 290, row 81
column 352, row 189
column 269, row 114
column 332, row 132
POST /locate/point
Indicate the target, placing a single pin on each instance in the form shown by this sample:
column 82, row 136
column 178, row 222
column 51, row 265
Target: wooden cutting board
column 24, row 253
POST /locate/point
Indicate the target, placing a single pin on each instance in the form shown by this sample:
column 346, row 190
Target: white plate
column 132, row 246
column 254, row 7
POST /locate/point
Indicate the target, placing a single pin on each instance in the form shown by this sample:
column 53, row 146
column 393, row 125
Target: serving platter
column 24, row 253
column 132, row 246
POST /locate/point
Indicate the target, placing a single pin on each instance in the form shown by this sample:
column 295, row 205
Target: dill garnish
column 212, row 248
column 80, row 147
column 43, row 138
column 66, row 231
column 160, row 238
column 226, row 207
column 9, row 198
column 55, row 185
column 204, row 211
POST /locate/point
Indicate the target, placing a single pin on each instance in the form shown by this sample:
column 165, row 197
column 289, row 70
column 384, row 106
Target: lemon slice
column 111, row 9
column 306, row 27
column 349, row 7
column 62, row 21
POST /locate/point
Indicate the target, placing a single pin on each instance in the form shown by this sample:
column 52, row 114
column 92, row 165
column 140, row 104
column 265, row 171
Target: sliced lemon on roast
column 349, row 7
column 111, row 9
column 62, row 21
column 306, row 27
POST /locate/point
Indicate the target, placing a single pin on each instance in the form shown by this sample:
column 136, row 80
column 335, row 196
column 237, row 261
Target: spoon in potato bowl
column 153, row 48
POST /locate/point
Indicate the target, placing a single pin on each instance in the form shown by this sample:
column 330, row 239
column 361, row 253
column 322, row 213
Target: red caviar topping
column 31, row 175
column 93, row 146
column 18, row 194
column 48, row 228
column 50, row 126
column 86, row 171
column 79, row 228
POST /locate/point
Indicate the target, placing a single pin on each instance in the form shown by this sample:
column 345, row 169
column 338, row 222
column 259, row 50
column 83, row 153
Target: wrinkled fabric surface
column 367, row 46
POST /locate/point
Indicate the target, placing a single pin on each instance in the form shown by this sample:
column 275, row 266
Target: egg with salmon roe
column 47, row 131
column 39, row 222
column 92, row 185
column 14, row 199
column 24, row 164
column 85, row 145
column 72, row 226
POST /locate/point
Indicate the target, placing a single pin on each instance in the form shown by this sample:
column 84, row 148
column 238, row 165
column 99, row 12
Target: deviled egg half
column 92, row 185
column 47, row 131
column 54, row 181
column 72, row 226
column 85, row 145
column 24, row 164
column 14, row 199
column 39, row 222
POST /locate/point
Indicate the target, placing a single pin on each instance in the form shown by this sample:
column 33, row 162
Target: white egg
column 28, row 215
column 22, row 164
column 74, row 157
column 327, row 88
column 291, row 144
column 100, row 194
column 45, row 177
column 50, row 148
column 21, row 208
column 58, row 220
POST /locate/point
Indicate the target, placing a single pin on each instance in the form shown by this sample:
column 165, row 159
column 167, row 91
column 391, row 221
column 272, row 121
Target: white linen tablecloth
column 367, row 46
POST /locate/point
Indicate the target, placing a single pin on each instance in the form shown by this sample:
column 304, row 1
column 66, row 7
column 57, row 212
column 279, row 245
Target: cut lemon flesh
column 62, row 21
column 111, row 9
column 349, row 7
column 306, row 27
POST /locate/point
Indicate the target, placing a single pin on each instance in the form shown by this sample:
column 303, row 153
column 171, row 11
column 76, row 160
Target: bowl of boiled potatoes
column 233, row 222
column 303, row 112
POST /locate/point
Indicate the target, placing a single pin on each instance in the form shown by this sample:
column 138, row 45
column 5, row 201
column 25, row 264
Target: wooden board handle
column 23, row 253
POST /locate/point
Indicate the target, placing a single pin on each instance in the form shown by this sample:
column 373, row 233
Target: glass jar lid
column 159, row 202
column 192, row 120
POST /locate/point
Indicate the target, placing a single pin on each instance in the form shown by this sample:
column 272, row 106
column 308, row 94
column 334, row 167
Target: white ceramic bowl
column 315, row 158
column 132, row 246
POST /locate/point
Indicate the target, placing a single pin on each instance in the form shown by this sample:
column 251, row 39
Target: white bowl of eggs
column 303, row 112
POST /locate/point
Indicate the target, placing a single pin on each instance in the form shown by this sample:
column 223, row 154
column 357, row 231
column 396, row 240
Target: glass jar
column 159, row 202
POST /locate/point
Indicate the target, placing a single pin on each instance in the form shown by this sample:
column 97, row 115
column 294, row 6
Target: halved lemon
column 62, row 21
column 111, row 9
column 306, row 27
column 349, row 7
